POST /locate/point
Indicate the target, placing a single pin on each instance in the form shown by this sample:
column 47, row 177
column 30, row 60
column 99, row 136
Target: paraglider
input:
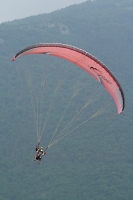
column 85, row 61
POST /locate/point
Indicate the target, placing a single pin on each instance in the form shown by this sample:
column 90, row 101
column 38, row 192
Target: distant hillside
column 94, row 161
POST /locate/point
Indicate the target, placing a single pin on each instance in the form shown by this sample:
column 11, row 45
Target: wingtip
column 13, row 59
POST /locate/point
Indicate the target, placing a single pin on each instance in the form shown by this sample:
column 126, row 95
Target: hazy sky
column 17, row 9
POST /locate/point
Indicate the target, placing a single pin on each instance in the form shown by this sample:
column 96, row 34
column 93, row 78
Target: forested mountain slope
column 94, row 161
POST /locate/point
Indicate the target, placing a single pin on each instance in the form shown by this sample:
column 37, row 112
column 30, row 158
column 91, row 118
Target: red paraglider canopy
column 84, row 60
